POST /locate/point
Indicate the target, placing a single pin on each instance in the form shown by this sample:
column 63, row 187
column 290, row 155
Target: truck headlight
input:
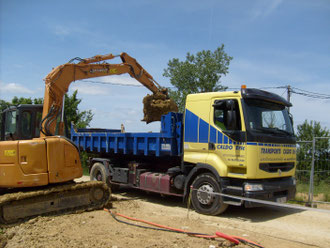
column 253, row 187
column 294, row 181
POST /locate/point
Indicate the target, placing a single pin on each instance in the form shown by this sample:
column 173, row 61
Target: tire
column 206, row 203
column 98, row 173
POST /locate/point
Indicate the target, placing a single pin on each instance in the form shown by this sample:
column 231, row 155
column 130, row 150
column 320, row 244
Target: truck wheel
column 206, row 202
column 98, row 173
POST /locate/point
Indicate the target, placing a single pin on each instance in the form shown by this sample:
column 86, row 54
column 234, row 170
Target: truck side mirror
column 231, row 120
column 231, row 115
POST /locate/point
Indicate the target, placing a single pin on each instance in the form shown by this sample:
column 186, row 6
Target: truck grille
column 274, row 167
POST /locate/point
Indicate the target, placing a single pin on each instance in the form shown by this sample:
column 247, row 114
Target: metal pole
column 62, row 114
column 289, row 95
column 311, row 178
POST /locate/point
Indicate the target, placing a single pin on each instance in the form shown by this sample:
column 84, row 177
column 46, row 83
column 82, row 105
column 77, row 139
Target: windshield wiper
column 282, row 131
column 272, row 130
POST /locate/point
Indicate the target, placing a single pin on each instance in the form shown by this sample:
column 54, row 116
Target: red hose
column 246, row 240
column 231, row 238
column 225, row 236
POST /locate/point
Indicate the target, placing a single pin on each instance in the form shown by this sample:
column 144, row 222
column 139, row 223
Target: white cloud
column 264, row 8
column 101, row 85
column 90, row 89
column 14, row 88
column 124, row 80
column 68, row 29
column 61, row 30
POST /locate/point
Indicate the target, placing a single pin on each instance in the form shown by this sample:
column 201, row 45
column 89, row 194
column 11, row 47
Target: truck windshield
column 268, row 117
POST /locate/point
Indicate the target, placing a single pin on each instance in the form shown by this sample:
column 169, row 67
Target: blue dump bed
column 168, row 142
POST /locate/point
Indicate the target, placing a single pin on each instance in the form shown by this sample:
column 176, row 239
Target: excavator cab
column 21, row 122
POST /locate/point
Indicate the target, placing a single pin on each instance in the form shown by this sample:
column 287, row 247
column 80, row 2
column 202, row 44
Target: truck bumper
column 279, row 190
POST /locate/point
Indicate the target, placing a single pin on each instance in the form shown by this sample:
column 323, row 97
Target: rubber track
column 49, row 191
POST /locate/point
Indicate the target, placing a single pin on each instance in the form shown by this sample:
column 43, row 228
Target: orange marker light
column 243, row 86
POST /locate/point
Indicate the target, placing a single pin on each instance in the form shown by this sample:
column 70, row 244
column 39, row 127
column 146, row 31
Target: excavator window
column 37, row 124
column 26, row 124
column 10, row 125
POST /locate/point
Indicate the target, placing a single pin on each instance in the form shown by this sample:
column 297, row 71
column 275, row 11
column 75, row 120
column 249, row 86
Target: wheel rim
column 98, row 176
column 205, row 194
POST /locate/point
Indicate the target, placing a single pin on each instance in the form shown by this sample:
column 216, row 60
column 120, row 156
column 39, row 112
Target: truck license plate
column 281, row 199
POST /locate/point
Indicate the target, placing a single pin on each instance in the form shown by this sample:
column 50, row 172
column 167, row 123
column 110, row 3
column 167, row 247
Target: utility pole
column 288, row 95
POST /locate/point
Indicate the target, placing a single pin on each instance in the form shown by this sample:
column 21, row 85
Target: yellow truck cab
column 245, row 141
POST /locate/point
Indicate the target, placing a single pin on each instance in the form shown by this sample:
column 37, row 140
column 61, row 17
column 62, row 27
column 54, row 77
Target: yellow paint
column 233, row 160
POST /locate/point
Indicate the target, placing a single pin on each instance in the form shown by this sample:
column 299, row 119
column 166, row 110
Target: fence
column 313, row 170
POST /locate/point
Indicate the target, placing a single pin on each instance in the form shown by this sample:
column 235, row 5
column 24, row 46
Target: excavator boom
column 58, row 81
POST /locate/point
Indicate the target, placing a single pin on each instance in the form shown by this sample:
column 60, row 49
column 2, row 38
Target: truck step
column 235, row 203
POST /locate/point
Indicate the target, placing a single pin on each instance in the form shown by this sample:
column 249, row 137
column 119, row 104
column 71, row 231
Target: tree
column 80, row 119
column 306, row 132
column 198, row 73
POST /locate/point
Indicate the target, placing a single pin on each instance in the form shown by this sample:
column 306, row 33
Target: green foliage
column 80, row 119
column 84, row 162
column 198, row 73
column 306, row 132
column 23, row 100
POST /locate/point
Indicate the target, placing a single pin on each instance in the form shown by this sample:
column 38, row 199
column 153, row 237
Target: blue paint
column 148, row 144
column 203, row 131
column 213, row 135
column 191, row 127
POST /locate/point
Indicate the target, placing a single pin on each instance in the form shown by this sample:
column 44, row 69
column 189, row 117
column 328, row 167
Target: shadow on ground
column 259, row 214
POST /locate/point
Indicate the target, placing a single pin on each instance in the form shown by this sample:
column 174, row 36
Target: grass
column 85, row 170
column 321, row 191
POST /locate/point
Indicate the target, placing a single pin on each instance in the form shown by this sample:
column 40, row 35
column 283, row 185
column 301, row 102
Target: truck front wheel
column 202, row 197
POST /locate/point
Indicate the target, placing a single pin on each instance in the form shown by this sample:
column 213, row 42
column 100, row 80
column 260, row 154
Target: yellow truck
column 238, row 143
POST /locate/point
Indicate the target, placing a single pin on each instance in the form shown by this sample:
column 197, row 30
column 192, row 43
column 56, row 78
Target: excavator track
column 59, row 199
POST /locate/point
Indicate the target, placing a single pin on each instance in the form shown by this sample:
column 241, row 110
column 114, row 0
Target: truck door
column 227, row 139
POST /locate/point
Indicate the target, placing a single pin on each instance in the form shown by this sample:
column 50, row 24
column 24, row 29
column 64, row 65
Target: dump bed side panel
column 167, row 142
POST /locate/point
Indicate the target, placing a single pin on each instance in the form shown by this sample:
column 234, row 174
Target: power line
column 310, row 94
column 111, row 83
column 290, row 90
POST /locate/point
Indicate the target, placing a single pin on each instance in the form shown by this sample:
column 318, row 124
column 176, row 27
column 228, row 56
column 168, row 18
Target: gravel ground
column 270, row 227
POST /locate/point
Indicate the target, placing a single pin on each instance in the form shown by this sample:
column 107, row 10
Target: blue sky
column 273, row 42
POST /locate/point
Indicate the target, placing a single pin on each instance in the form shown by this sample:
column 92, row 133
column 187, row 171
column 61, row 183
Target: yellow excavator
column 37, row 166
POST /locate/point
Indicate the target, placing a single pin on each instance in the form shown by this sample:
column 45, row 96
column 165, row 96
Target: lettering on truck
column 271, row 150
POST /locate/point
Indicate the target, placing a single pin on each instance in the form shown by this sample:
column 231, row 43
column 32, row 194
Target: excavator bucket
column 156, row 105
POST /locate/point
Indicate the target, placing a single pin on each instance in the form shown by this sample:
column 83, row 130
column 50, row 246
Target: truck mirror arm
column 236, row 135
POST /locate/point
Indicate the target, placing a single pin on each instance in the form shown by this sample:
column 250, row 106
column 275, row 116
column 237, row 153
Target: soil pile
column 156, row 105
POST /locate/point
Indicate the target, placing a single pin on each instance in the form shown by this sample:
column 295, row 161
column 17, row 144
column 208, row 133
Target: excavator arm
column 58, row 81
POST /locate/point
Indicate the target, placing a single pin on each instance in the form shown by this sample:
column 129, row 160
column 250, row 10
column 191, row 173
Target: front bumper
column 276, row 190
column 280, row 190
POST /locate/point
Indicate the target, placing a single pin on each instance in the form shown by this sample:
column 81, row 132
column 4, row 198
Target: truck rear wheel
column 202, row 197
column 98, row 173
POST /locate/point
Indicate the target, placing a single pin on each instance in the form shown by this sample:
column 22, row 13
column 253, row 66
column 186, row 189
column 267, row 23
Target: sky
column 274, row 43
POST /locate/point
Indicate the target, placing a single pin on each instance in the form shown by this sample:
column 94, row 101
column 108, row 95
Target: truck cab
column 246, row 139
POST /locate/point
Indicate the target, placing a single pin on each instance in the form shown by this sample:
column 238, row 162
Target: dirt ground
column 268, row 226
